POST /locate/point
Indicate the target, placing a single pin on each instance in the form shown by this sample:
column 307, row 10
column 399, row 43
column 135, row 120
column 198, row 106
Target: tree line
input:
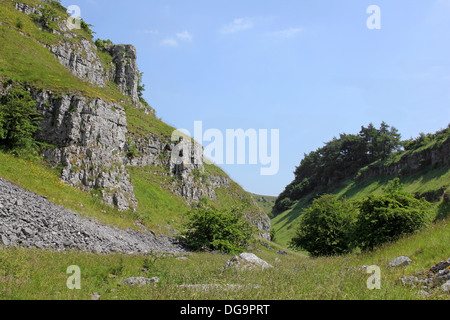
column 339, row 159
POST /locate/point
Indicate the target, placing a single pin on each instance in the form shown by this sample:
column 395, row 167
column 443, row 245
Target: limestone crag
column 81, row 59
column 27, row 9
column 437, row 157
column 90, row 139
column 124, row 71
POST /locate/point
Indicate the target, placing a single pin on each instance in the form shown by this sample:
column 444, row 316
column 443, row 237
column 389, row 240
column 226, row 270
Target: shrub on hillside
column 18, row 120
column 388, row 217
column 224, row 230
column 284, row 205
column 327, row 227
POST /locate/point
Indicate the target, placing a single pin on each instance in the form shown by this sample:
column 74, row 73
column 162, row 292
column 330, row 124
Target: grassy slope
column 285, row 223
column 265, row 202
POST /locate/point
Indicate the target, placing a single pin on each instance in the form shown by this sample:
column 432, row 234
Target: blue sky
column 311, row 69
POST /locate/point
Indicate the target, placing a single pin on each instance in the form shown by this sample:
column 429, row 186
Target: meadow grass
column 36, row 274
column 157, row 206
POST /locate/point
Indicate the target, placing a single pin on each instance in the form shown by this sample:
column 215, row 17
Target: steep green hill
column 422, row 166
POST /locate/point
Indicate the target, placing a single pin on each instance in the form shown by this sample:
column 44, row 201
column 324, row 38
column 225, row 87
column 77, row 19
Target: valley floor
column 42, row 274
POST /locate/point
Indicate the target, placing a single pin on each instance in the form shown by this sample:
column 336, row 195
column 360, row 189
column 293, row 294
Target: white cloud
column 237, row 25
column 150, row 31
column 184, row 36
column 287, row 33
column 169, row 42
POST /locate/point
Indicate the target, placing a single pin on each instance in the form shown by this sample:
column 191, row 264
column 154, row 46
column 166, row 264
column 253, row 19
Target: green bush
column 327, row 227
column 19, row 121
column 284, row 205
column 87, row 27
column 388, row 217
column 47, row 19
column 227, row 231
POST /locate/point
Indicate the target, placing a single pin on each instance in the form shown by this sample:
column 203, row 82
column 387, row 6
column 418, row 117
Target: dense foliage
column 332, row 226
column 224, row 230
column 327, row 227
column 339, row 159
column 18, row 120
column 387, row 217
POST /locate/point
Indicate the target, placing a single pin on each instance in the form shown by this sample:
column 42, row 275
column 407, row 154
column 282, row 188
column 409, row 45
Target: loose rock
column 400, row 262
column 247, row 261
column 39, row 223
column 139, row 281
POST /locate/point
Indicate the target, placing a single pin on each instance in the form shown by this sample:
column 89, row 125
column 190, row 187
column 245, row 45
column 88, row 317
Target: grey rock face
column 27, row 9
column 91, row 141
column 42, row 224
column 81, row 59
column 125, row 72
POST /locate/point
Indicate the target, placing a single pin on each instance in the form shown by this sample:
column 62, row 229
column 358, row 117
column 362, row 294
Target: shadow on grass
column 443, row 211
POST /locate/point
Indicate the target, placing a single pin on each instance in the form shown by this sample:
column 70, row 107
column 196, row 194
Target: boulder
column 400, row 262
column 446, row 286
column 139, row 281
column 247, row 261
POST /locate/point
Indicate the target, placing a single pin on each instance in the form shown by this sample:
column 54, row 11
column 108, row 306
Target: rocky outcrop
column 124, row 71
column 261, row 222
column 90, row 142
column 81, row 59
column 27, row 9
column 439, row 156
column 437, row 275
column 29, row 220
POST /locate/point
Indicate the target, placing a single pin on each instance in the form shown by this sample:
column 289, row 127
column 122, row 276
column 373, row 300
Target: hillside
column 96, row 133
column 90, row 177
column 422, row 166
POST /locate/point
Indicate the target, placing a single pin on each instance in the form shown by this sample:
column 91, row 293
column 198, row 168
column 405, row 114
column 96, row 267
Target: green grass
column 266, row 203
column 142, row 124
column 35, row 274
column 157, row 206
